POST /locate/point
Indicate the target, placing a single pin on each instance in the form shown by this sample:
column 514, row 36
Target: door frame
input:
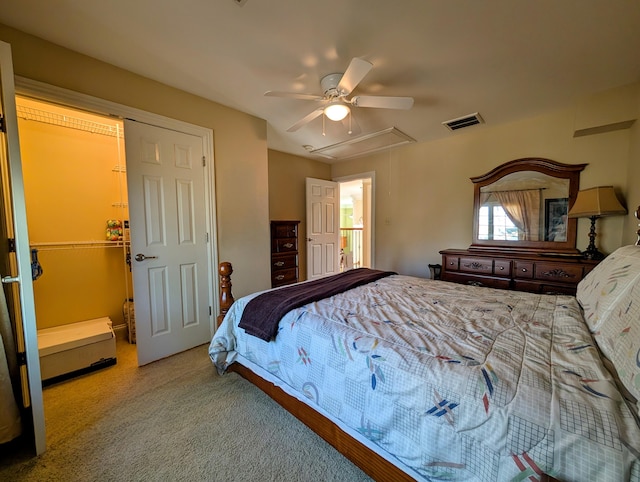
column 58, row 95
column 372, row 176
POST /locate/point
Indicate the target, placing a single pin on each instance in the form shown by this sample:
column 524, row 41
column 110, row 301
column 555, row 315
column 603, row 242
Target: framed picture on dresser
column 555, row 222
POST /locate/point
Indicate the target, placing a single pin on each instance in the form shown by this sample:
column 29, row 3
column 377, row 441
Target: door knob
column 142, row 257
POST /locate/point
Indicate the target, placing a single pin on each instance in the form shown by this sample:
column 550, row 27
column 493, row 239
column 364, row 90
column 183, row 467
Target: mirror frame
column 544, row 166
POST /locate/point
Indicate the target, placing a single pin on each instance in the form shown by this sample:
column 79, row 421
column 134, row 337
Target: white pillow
column 599, row 292
column 619, row 338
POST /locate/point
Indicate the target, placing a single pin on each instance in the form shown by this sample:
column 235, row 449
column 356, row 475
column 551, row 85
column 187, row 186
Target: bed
column 417, row 379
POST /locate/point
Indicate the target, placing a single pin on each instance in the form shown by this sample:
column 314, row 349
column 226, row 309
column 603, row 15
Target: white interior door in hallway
column 169, row 237
column 323, row 227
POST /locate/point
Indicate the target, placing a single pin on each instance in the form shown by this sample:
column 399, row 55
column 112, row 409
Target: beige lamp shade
column 596, row 201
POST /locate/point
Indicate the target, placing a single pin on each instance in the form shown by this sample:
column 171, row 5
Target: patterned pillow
column 619, row 337
column 601, row 289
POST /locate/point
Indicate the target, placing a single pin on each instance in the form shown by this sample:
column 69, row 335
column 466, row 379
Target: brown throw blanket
column 263, row 313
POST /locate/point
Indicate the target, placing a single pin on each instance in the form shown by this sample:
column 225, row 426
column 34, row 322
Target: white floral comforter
column 457, row 382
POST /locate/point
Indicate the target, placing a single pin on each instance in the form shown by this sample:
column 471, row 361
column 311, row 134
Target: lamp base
column 592, row 252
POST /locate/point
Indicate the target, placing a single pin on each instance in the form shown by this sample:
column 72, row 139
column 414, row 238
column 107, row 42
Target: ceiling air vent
column 466, row 121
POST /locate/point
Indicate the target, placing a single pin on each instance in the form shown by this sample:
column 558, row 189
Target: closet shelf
column 32, row 113
column 50, row 246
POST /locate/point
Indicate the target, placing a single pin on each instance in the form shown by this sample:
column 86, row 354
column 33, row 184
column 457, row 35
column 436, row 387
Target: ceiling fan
column 336, row 88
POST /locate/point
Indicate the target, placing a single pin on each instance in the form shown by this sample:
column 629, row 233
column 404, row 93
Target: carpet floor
column 175, row 419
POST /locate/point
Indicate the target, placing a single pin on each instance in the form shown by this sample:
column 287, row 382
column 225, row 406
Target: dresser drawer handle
column 451, row 263
column 279, row 263
column 280, row 277
column 288, row 245
column 501, row 268
column 524, row 270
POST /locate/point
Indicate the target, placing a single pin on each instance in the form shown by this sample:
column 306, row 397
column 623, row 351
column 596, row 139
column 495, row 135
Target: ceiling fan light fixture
column 336, row 111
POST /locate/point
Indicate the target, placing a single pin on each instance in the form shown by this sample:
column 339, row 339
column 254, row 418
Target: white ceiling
column 506, row 59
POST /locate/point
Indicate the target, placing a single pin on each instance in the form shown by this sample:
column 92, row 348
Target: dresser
column 284, row 252
column 536, row 273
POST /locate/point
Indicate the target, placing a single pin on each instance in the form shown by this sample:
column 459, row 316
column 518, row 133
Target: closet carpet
column 173, row 420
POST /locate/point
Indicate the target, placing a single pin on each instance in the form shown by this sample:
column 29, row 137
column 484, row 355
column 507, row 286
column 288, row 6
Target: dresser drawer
column 523, row 269
column 285, row 230
column 558, row 272
column 451, row 263
column 544, row 288
column 283, row 245
column 477, row 265
column 502, row 267
column 283, row 277
column 284, row 262
column 477, row 280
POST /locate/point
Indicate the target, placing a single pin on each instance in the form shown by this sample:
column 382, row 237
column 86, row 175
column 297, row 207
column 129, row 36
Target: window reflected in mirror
column 494, row 224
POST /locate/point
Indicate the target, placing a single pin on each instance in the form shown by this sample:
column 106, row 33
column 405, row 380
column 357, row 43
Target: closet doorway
column 172, row 174
column 77, row 213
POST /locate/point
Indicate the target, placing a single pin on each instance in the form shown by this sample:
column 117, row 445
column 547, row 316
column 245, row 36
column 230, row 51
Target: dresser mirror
column 523, row 204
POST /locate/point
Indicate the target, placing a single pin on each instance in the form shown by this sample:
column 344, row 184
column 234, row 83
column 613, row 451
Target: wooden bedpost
column 638, row 231
column 226, row 298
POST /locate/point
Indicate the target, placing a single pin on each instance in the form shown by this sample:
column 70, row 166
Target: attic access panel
column 365, row 144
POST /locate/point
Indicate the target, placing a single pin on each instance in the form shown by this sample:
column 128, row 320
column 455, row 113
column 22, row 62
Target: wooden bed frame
column 373, row 464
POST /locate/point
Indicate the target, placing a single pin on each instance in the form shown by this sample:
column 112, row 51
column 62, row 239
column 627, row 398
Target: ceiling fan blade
column 356, row 71
column 382, row 102
column 293, row 95
column 305, row 120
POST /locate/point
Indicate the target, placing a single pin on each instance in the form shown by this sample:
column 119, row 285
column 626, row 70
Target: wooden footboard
column 371, row 463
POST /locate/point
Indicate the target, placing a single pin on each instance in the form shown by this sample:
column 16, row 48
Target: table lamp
column 594, row 203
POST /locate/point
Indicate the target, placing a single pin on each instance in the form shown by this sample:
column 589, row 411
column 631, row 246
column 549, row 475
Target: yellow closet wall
column 72, row 182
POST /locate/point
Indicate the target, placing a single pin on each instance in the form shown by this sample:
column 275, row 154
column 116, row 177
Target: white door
column 16, row 266
column 323, row 228
column 170, row 262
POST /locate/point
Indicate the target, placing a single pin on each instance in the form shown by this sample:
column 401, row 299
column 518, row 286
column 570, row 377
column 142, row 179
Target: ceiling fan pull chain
column 323, row 133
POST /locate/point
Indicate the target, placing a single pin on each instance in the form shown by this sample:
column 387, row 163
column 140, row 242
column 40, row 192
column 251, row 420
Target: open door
column 15, row 260
column 172, row 290
column 323, row 228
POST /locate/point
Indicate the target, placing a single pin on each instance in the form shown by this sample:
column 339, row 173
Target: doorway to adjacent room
column 356, row 221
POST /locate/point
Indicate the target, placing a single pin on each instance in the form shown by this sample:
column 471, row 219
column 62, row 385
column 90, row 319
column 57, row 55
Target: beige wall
column 240, row 143
column 287, row 192
column 424, row 198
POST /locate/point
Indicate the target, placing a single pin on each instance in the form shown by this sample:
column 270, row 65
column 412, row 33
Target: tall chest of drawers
column 284, row 253
column 520, row 272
